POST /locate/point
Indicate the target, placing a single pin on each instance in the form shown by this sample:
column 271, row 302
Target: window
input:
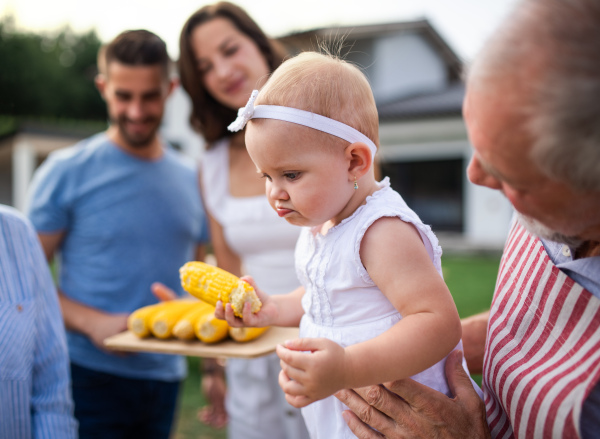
column 432, row 188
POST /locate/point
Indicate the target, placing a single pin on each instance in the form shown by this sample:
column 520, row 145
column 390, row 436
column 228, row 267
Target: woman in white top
column 224, row 55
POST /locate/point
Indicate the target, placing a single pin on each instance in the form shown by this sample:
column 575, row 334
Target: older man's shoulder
column 12, row 219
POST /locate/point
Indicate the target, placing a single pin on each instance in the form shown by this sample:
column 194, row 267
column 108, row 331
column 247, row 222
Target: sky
column 464, row 24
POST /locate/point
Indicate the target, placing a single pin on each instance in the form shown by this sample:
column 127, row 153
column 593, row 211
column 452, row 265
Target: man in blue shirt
column 123, row 210
column 35, row 398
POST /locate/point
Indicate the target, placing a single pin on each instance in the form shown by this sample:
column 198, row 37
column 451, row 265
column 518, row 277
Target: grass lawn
column 188, row 426
column 470, row 279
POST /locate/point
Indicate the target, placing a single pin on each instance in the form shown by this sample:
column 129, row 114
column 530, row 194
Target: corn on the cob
column 209, row 329
column 184, row 328
column 163, row 321
column 246, row 334
column 138, row 321
column 212, row 284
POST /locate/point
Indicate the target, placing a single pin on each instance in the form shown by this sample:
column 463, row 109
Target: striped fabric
column 35, row 399
column 543, row 345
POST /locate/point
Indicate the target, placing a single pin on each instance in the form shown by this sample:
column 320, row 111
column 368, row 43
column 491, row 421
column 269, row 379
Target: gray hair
column 556, row 42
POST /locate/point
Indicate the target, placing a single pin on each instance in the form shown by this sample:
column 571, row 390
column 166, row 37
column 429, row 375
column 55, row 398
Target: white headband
column 300, row 117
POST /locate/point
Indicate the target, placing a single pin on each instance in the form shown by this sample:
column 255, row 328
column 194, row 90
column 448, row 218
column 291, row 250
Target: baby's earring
column 355, row 183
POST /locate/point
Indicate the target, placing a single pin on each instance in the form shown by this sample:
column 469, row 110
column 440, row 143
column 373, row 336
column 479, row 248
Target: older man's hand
column 407, row 409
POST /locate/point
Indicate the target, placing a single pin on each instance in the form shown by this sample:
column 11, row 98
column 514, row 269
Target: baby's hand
column 311, row 369
column 264, row 317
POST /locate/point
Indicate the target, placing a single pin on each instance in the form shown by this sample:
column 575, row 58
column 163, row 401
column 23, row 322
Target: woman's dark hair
column 209, row 117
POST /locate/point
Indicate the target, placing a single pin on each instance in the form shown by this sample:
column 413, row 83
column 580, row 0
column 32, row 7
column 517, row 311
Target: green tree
column 48, row 75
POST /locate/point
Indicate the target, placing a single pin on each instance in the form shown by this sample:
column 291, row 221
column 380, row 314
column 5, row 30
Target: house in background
column 424, row 149
column 23, row 147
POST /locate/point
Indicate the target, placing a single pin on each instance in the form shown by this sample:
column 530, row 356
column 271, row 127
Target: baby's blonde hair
column 325, row 85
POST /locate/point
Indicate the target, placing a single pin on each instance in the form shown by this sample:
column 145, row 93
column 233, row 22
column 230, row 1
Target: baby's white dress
column 341, row 301
column 265, row 243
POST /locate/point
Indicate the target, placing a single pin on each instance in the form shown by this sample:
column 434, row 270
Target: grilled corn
column 209, row 329
column 163, row 321
column 184, row 328
column 246, row 334
column 138, row 321
column 212, row 284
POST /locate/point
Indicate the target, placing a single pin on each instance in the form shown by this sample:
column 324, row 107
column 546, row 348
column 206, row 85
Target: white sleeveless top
column 339, row 292
column 341, row 301
column 264, row 241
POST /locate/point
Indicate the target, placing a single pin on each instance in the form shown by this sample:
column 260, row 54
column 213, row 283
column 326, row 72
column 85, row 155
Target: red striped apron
column 543, row 345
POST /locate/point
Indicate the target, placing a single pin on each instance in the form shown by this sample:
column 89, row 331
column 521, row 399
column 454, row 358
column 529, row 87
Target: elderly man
column 533, row 115
column 35, row 393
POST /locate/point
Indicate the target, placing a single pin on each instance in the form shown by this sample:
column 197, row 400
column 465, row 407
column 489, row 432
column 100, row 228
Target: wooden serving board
column 264, row 345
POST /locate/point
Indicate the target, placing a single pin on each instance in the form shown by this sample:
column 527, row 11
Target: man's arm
column 423, row 412
column 474, row 332
column 200, row 253
column 420, row 412
column 94, row 324
column 91, row 322
column 51, row 242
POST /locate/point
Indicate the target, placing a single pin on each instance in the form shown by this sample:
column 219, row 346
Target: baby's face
column 307, row 180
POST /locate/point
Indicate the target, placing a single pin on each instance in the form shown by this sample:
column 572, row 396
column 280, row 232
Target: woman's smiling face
column 230, row 63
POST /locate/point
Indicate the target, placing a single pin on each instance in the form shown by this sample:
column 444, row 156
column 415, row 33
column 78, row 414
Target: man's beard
column 137, row 141
column 541, row 231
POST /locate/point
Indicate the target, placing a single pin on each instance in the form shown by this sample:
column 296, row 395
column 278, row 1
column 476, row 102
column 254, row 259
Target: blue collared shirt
column 585, row 271
column 35, row 395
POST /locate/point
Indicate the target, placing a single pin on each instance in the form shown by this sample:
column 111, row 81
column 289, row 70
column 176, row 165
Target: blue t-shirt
column 128, row 223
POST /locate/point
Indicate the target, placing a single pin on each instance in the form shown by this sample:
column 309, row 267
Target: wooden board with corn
column 228, row 348
column 188, row 326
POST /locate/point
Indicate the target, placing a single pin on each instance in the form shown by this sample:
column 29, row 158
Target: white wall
column 23, row 166
column 487, row 215
column 176, row 127
column 403, row 65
